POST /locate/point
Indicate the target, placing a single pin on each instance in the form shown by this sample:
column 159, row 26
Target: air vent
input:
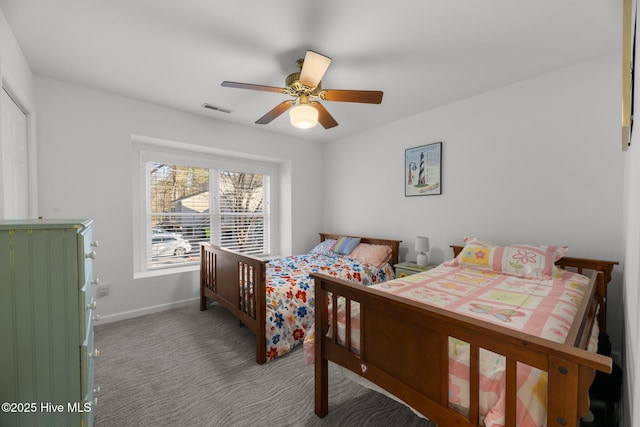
column 216, row 108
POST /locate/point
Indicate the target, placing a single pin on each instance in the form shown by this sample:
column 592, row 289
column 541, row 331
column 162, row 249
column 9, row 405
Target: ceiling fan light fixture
column 303, row 116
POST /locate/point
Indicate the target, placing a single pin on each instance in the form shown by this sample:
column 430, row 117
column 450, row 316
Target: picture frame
column 423, row 170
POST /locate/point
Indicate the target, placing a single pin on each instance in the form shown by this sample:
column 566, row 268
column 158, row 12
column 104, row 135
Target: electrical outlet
column 103, row 289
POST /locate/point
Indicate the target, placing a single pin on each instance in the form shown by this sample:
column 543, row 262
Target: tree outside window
column 189, row 205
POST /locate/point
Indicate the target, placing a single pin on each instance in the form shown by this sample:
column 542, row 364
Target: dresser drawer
column 405, row 269
column 401, row 272
column 88, row 350
column 88, row 355
column 87, row 302
column 88, row 254
column 87, row 306
column 88, row 271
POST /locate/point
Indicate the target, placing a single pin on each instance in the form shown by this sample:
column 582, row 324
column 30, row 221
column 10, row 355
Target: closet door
column 14, row 166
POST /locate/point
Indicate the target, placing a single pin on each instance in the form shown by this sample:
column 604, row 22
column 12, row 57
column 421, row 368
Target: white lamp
column 303, row 115
column 422, row 246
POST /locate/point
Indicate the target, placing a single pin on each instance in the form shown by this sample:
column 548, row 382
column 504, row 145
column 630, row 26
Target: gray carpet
column 184, row 367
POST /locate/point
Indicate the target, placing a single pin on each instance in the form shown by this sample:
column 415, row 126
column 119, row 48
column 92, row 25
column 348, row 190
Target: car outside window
column 187, row 205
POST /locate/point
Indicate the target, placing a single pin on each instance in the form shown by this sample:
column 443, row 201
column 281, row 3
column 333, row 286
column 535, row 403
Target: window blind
column 188, row 205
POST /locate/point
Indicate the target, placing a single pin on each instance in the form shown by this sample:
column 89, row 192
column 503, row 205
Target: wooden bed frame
column 226, row 277
column 420, row 337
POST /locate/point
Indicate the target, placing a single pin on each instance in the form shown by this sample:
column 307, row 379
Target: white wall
column 631, row 294
column 13, row 62
column 85, row 153
column 17, row 79
column 538, row 161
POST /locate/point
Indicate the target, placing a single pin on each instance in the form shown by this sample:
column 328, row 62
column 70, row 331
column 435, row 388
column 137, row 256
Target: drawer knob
column 91, row 255
column 93, row 304
column 96, row 317
column 95, row 244
column 95, row 281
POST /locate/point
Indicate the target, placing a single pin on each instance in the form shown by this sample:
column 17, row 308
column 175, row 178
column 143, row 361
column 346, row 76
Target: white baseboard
column 146, row 310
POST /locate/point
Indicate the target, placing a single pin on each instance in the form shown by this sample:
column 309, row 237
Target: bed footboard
column 237, row 282
column 416, row 338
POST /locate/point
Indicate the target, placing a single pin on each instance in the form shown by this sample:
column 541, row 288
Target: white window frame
column 147, row 149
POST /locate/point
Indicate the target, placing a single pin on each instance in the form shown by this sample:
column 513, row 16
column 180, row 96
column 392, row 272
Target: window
column 189, row 200
column 242, row 216
column 178, row 213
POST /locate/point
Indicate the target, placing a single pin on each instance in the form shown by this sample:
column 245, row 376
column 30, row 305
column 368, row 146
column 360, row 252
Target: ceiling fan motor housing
column 292, row 79
column 298, row 88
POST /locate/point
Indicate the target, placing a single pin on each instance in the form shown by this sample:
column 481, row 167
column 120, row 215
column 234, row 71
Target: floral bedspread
column 290, row 294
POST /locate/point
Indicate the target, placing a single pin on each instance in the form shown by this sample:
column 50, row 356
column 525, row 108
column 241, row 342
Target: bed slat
column 511, row 379
column 562, row 404
column 347, row 322
column 474, row 386
column 247, row 296
column 444, row 372
column 237, row 282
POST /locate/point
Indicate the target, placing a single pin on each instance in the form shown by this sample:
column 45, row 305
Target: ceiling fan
column 305, row 87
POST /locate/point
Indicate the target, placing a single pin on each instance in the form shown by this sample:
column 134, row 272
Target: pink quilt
column 543, row 308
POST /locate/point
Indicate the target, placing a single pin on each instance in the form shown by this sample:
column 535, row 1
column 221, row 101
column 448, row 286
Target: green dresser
column 46, row 323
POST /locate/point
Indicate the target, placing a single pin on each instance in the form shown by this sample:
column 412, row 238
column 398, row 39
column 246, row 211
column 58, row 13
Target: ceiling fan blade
column 275, row 112
column 253, row 87
column 326, row 120
column 364, row 96
column 313, row 68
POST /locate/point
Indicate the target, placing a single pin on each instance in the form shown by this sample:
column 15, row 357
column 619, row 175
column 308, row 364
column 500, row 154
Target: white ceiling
column 421, row 54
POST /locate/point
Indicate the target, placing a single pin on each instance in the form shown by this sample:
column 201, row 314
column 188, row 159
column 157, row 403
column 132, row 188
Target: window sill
column 165, row 271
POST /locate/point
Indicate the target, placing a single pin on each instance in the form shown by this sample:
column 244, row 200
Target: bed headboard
column 393, row 244
column 456, row 249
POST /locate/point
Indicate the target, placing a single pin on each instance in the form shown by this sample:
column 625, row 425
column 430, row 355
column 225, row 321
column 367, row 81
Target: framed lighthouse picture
column 423, row 170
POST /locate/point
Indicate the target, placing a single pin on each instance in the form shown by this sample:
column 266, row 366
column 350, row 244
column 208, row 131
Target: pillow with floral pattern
column 528, row 261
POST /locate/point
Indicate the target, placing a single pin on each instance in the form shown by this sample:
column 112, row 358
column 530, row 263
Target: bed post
column 204, row 270
column 321, row 366
column 605, row 268
column 261, row 312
